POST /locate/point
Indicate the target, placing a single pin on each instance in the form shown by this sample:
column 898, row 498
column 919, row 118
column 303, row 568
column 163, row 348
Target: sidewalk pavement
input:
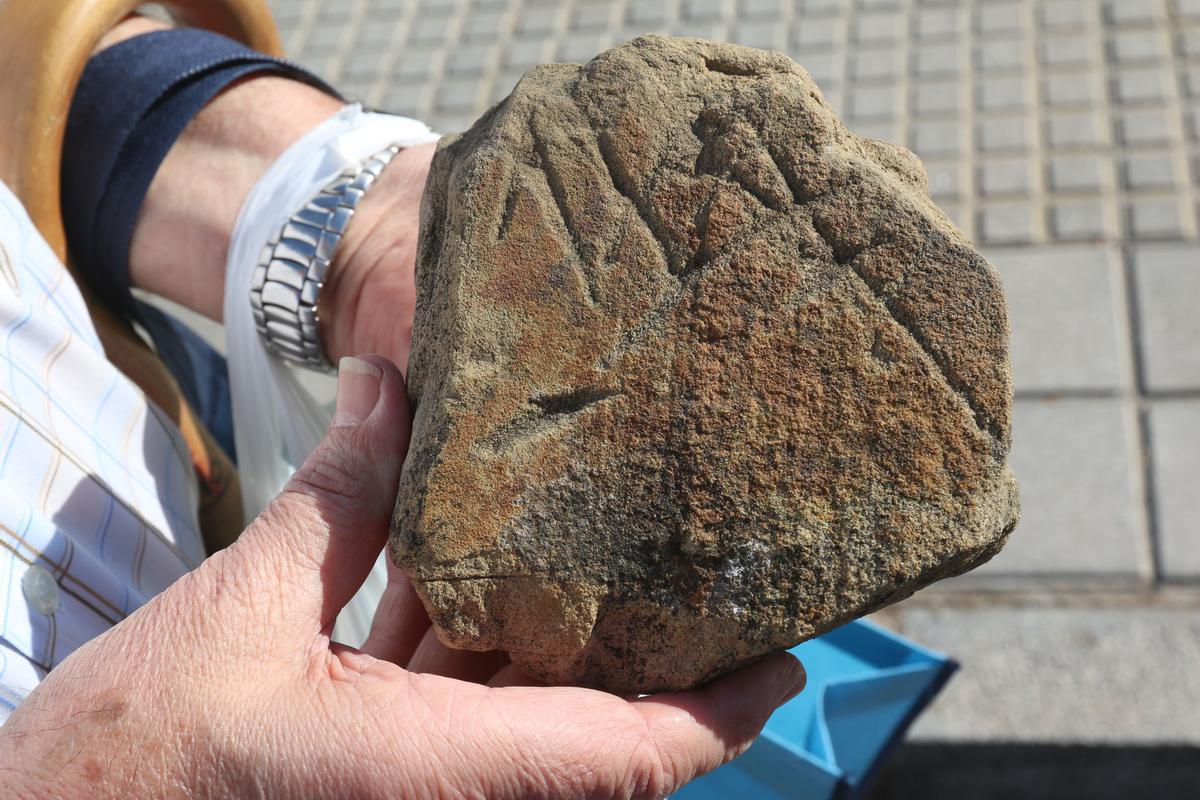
column 1064, row 137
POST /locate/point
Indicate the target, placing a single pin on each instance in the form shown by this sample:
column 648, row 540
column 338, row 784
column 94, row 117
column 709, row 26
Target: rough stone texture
column 698, row 373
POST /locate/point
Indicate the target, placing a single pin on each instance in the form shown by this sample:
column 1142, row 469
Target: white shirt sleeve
column 98, row 497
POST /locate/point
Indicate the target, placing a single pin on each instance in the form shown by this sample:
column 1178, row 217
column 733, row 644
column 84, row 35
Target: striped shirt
column 98, row 496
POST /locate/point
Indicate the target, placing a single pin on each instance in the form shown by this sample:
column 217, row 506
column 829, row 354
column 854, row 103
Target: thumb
column 320, row 536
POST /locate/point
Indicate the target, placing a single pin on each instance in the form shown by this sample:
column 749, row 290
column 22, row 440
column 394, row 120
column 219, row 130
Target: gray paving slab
column 1162, row 217
column 822, row 7
column 1071, row 50
column 818, row 33
column 874, row 101
column 762, row 8
column 587, row 16
column 875, row 64
column 999, row 58
column 1149, row 171
column 1008, row 223
column 1174, row 427
column 946, row 179
column 1002, row 94
column 406, row 99
column 1082, row 220
column 828, row 69
column 457, row 94
column 1167, row 280
column 934, row 138
column 1067, row 311
column 999, row 18
column 878, row 128
column 1077, row 463
column 416, row 65
column 1147, row 85
column 1073, row 130
column 1188, row 9
column 944, row 22
column 1005, row 176
column 940, row 97
column 940, row 59
column 1094, row 674
column 1072, row 89
column 763, row 34
column 1081, row 173
column 1191, row 81
column 1146, row 127
column 1065, row 14
column 1188, row 41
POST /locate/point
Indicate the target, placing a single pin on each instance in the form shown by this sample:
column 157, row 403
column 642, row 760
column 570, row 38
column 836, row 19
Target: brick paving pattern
column 1064, row 137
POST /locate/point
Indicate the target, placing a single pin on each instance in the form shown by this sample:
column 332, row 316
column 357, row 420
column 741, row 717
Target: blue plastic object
column 866, row 685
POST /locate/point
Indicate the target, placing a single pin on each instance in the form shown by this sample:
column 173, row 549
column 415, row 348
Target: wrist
column 371, row 278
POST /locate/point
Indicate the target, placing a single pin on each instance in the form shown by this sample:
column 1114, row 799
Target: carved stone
column 698, row 373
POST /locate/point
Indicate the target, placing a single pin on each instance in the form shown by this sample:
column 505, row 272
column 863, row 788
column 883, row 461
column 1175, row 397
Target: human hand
column 227, row 683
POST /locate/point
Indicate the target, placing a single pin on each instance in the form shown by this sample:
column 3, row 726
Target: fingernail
column 357, row 391
column 794, row 679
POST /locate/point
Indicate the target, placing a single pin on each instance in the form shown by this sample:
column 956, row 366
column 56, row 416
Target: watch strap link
column 293, row 266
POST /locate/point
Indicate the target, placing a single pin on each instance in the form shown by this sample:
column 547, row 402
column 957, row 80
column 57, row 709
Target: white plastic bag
column 277, row 423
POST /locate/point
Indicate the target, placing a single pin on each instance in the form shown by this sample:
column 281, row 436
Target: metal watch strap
column 292, row 267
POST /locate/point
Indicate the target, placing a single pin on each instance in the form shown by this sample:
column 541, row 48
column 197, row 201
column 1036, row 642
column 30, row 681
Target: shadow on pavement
column 941, row 771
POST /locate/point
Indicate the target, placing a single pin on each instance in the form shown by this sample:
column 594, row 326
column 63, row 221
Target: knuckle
column 657, row 772
column 649, row 770
column 330, row 477
column 336, row 488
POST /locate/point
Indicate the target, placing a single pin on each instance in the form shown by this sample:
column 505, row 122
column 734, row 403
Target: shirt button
column 41, row 590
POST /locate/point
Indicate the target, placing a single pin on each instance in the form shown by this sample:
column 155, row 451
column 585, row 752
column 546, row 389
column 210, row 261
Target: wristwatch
column 293, row 266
